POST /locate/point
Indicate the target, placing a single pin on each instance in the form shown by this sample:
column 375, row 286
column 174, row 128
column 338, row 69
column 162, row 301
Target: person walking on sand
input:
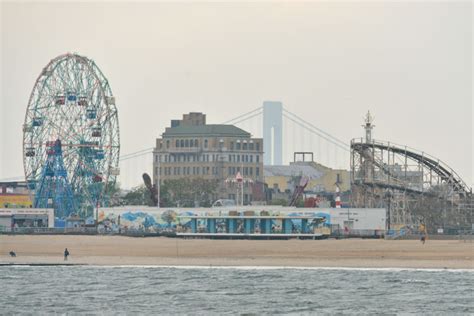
column 66, row 254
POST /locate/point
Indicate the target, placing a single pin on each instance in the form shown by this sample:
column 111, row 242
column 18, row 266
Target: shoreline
column 237, row 267
column 172, row 252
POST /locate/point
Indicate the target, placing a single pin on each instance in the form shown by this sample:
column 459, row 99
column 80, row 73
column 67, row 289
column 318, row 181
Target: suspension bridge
column 285, row 130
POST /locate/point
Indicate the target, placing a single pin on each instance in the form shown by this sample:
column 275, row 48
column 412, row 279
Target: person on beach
column 423, row 233
column 12, row 254
column 66, row 254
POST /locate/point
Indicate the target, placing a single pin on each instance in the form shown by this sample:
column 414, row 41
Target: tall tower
column 368, row 127
column 272, row 132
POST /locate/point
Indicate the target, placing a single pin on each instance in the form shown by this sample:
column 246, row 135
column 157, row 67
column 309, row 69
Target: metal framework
column 72, row 105
column 414, row 186
column 53, row 188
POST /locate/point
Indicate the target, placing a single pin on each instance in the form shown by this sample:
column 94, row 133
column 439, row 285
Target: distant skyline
column 410, row 64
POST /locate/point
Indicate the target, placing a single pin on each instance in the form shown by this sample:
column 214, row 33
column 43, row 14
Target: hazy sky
column 409, row 63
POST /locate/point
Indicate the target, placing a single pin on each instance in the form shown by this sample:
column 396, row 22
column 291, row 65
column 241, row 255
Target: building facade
column 25, row 218
column 321, row 178
column 192, row 149
column 15, row 195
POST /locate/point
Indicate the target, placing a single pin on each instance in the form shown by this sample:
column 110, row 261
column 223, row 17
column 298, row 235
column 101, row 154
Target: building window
column 251, row 158
column 251, row 146
column 181, row 142
column 205, row 143
column 231, row 145
column 251, row 171
column 238, row 158
column 196, row 143
column 238, row 145
column 245, row 146
column 257, row 146
column 177, row 143
column 168, row 143
column 257, row 171
column 257, row 158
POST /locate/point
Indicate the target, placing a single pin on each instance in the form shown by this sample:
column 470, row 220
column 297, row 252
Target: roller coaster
column 413, row 186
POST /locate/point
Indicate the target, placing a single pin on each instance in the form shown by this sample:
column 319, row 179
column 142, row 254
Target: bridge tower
column 272, row 132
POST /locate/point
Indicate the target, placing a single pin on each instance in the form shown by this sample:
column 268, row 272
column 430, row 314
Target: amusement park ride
column 413, row 186
column 71, row 151
column 71, row 137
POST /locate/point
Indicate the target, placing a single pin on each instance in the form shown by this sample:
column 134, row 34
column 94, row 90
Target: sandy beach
column 116, row 250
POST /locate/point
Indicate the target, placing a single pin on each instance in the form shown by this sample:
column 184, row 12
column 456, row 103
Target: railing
column 432, row 162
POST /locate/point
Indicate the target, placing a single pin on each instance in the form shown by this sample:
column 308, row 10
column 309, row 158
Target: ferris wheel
column 71, row 138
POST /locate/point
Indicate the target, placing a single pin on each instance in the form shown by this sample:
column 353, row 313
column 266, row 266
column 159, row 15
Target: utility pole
column 158, row 186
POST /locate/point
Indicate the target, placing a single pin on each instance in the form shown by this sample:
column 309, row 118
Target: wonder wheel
column 71, row 137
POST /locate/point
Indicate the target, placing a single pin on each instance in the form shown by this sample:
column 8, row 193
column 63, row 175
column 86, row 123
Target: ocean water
column 234, row 291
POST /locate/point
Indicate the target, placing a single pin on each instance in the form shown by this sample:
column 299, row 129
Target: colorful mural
column 155, row 220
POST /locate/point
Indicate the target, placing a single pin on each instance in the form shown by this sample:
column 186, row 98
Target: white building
column 26, row 217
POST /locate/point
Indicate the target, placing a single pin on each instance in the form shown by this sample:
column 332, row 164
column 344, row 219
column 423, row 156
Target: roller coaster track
column 446, row 173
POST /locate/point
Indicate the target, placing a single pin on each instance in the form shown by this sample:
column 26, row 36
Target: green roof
column 209, row 130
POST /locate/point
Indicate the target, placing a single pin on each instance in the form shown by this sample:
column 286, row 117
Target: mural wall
column 154, row 220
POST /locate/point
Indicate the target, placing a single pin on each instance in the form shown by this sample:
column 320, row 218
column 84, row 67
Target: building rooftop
column 205, row 130
column 292, row 170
